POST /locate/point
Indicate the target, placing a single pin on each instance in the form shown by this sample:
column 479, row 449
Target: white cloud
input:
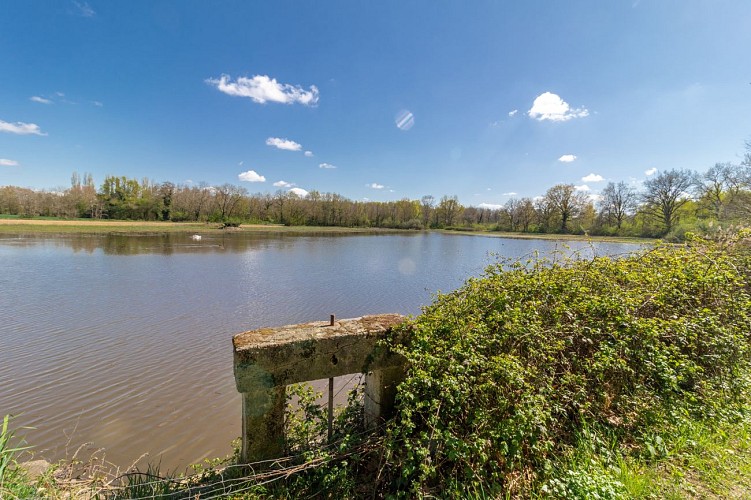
column 651, row 171
column 490, row 206
column 283, row 184
column 251, row 176
column 309, row 153
column 549, row 106
column 84, row 9
column 299, row 192
column 595, row 198
column 98, row 104
column 326, row 165
column 285, row 144
column 20, row 128
column 593, row 178
column 567, row 158
column 262, row 89
column 510, row 193
column 583, row 187
column 512, row 113
column 40, row 100
column 375, row 185
column 8, row 163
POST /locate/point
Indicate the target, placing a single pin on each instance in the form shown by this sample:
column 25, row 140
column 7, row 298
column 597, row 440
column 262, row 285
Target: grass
column 705, row 462
column 696, row 460
column 49, row 225
column 89, row 226
column 13, row 481
column 700, row 462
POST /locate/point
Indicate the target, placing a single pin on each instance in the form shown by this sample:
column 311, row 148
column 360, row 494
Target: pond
column 122, row 343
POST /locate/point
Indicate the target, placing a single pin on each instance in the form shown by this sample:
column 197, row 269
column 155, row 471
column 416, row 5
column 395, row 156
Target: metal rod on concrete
column 331, row 407
column 331, row 395
column 258, row 352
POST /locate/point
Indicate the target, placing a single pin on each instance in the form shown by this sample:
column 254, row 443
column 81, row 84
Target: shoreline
column 51, row 226
column 66, row 226
column 550, row 236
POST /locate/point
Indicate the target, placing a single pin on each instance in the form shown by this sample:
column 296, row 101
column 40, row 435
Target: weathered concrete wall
column 268, row 359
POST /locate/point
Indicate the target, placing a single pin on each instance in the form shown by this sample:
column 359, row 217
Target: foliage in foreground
column 510, row 373
column 13, row 481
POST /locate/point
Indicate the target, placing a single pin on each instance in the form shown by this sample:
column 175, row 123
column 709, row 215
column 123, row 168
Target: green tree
column 449, row 209
column 566, row 202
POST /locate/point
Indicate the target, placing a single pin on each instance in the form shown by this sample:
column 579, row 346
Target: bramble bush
column 506, row 372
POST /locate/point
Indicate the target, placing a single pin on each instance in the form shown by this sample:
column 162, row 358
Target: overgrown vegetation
column 550, row 378
column 514, row 373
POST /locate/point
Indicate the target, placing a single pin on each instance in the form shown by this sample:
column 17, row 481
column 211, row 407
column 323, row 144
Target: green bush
column 508, row 370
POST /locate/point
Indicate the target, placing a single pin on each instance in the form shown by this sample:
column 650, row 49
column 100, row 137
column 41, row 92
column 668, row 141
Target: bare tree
column 526, row 213
column 666, row 193
column 511, row 211
column 618, row 202
column 544, row 214
column 427, row 202
column 227, row 197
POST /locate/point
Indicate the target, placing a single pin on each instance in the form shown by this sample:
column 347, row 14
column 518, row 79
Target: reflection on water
column 125, row 341
column 165, row 243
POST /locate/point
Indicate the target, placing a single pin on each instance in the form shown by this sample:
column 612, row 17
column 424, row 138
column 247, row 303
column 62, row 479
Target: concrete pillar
column 263, row 424
column 380, row 393
column 269, row 359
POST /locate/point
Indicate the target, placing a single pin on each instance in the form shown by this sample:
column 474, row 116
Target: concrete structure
column 269, row 359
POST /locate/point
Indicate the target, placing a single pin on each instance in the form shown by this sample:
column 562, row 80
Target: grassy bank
column 15, row 225
column 700, row 461
column 88, row 226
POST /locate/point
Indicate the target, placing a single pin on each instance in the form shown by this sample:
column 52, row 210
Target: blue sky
column 377, row 100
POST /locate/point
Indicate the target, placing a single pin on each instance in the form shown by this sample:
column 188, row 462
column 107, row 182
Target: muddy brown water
column 120, row 345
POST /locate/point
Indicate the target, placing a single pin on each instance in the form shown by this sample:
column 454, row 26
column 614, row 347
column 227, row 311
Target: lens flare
column 404, row 119
column 407, row 266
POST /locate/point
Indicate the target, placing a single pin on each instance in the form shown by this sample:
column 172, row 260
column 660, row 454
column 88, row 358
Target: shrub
column 506, row 371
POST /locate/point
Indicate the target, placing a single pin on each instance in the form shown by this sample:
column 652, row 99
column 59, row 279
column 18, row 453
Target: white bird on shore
column 196, row 237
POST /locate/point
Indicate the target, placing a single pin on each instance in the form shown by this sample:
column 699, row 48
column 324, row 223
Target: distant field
column 96, row 226
column 13, row 225
column 43, row 225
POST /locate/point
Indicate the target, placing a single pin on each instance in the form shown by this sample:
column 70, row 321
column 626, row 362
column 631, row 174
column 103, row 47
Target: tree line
column 667, row 204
